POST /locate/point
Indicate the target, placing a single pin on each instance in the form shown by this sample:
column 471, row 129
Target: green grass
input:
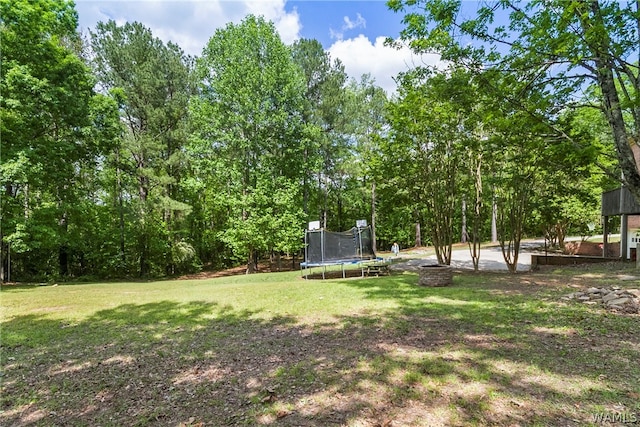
column 264, row 296
column 598, row 239
column 493, row 349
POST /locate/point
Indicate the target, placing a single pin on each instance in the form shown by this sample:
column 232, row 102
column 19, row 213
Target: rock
column 618, row 301
column 613, row 298
column 634, row 292
column 609, row 297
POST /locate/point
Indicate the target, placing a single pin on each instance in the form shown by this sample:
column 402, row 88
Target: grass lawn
column 273, row 349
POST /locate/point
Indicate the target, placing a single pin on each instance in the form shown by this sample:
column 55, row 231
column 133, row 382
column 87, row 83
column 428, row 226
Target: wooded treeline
column 123, row 157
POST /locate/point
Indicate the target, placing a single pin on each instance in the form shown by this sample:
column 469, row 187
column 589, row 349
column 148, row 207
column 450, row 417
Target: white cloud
column 360, row 22
column 190, row 24
column 360, row 56
column 288, row 26
column 287, row 23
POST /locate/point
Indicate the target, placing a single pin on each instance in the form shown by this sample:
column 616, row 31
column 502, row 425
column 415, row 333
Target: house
column 620, row 202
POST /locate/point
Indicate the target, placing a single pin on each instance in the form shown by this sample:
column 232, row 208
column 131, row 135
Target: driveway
column 491, row 258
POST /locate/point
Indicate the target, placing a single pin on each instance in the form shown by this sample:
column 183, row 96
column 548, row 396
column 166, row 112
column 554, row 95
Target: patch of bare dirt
column 264, row 266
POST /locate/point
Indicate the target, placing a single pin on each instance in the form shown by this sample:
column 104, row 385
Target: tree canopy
column 46, row 120
column 249, row 117
column 557, row 46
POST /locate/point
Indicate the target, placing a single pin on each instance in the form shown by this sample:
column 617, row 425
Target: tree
column 536, row 174
column 569, row 199
column 46, row 114
column 435, row 131
column 326, row 148
column 152, row 84
column 555, row 46
column 516, row 166
column 466, row 143
column 365, row 107
column 249, row 121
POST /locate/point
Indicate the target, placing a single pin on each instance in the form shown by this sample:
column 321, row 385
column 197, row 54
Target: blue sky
column 353, row 31
column 325, row 20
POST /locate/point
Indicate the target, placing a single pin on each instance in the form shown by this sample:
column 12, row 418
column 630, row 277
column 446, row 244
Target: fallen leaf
column 282, row 413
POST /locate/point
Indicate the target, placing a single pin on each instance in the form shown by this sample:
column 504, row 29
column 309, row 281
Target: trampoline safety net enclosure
column 324, row 247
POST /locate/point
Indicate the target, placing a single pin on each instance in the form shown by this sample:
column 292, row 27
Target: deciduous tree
column 46, row 103
column 430, row 130
column 249, row 121
column 555, row 46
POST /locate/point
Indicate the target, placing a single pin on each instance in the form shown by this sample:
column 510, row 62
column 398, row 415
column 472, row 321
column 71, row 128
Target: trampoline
column 325, row 248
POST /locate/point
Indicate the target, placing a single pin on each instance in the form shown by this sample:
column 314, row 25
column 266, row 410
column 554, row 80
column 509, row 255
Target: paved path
column 491, row 259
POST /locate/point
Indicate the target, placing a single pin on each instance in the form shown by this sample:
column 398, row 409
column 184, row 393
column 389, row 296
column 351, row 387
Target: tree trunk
column 143, row 193
column 63, row 249
column 2, row 260
column 511, row 218
column 494, row 214
column 252, row 264
column 324, row 217
column 373, row 216
column 63, row 260
column 418, row 236
column 120, row 208
column 143, row 187
column 600, row 45
column 325, row 193
column 305, row 188
column 144, row 254
column 463, row 234
column 477, row 218
column 615, row 117
column 340, row 219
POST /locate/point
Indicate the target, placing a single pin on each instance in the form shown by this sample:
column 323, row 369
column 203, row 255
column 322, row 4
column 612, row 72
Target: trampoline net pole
column 322, row 245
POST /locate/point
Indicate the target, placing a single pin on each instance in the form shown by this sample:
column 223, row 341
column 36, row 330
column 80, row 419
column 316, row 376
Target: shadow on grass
column 446, row 356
